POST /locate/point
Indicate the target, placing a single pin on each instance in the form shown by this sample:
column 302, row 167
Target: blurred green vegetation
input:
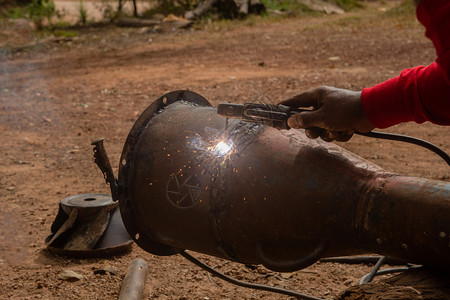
column 65, row 33
column 298, row 8
column 406, row 8
column 389, row 14
column 41, row 12
column 347, row 5
column 292, row 6
column 166, row 7
column 44, row 14
column 82, row 13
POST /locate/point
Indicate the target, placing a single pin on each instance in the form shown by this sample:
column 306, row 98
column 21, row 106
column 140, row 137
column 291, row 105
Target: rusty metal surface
column 274, row 198
column 406, row 217
column 128, row 209
column 66, row 225
column 133, row 284
column 102, row 161
column 88, row 232
column 88, row 225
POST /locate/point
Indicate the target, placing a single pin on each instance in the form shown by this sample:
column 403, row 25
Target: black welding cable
column 362, row 259
column 407, row 139
column 369, row 277
column 365, row 278
column 378, row 261
column 246, row 284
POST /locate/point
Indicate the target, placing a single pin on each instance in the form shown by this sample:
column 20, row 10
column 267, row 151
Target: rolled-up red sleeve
column 422, row 93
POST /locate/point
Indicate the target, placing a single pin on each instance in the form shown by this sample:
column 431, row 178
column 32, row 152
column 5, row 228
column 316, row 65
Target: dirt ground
column 57, row 97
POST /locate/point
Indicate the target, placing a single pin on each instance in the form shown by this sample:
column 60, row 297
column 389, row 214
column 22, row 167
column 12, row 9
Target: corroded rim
column 146, row 240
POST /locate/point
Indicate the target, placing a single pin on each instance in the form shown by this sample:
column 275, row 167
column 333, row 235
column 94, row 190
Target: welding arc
column 407, row 139
column 243, row 283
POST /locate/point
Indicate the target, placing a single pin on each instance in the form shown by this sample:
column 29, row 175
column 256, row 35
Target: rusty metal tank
column 256, row 195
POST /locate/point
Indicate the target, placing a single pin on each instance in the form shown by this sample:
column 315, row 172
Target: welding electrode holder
column 276, row 116
column 267, row 114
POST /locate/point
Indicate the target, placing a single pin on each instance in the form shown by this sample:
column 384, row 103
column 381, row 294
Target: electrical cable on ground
column 246, row 284
column 407, row 139
column 362, row 259
column 369, row 277
column 365, row 280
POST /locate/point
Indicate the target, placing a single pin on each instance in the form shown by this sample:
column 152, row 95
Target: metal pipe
column 133, row 284
column 257, row 195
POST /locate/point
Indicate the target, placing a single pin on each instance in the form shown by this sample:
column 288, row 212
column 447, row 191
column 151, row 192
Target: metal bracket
column 102, row 161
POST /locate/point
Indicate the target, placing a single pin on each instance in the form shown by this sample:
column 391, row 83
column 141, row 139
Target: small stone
column 145, row 30
column 286, row 275
column 69, row 275
column 103, row 271
column 10, row 188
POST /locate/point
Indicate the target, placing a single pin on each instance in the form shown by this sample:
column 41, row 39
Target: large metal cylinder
column 257, row 195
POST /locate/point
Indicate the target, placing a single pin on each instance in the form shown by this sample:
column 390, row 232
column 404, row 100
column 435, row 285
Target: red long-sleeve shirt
column 422, row 93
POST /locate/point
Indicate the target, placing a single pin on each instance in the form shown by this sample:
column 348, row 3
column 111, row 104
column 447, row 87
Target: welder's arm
column 419, row 94
column 340, row 112
column 422, row 93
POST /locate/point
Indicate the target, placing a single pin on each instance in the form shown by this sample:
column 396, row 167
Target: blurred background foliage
column 43, row 13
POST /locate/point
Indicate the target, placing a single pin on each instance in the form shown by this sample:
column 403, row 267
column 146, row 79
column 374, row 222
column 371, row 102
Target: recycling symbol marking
column 184, row 190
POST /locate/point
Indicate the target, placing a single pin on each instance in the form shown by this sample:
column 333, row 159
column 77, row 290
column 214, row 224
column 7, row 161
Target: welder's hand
column 336, row 115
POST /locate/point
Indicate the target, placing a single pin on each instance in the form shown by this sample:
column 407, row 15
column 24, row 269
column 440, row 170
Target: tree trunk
column 134, row 8
column 202, row 8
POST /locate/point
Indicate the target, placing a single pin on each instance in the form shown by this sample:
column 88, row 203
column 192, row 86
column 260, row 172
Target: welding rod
column 134, row 282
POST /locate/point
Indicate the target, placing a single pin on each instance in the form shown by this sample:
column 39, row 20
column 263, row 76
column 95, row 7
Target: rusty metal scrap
column 88, row 225
column 133, row 284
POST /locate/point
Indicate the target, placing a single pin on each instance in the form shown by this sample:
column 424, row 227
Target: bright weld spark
column 222, row 148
